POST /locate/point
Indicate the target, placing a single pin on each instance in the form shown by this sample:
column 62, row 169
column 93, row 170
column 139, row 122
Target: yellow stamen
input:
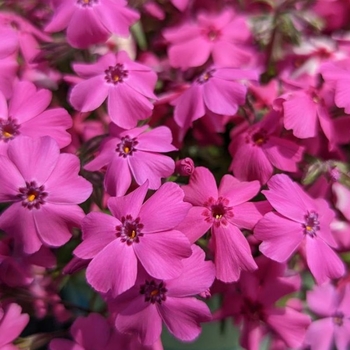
column 116, row 78
column 308, row 228
column 31, row 197
column 259, row 141
column 126, row 149
column 218, row 216
column 154, row 292
column 6, row 134
column 133, row 234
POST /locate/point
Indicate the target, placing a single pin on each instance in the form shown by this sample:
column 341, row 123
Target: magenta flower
column 91, row 22
column 224, row 37
column 338, row 75
column 141, row 309
column 134, row 154
column 95, row 333
column 258, row 149
column 8, row 67
column 218, row 90
column 128, row 85
column 252, row 302
column 45, row 189
column 225, row 211
column 333, row 328
column 136, row 233
column 299, row 219
column 26, row 114
column 12, row 323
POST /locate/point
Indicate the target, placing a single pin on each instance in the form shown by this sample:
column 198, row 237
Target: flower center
column 259, row 138
column 205, row 76
column 311, row 224
column 8, row 129
column 127, row 146
column 116, row 74
column 32, row 196
column 211, row 33
column 87, row 3
column 129, row 231
column 153, row 291
column 217, row 212
column 338, row 319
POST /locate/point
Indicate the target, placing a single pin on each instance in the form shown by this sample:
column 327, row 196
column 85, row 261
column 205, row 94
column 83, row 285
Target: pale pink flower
column 136, row 235
column 12, row 323
column 142, row 309
column 333, row 326
column 219, row 90
column 260, row 148
column 299, row 220
column 91, row 21
column 45, row 189
column 222, row 36
column 225, row 211
column 26, row 114
column 126, row 84
column 134, row 153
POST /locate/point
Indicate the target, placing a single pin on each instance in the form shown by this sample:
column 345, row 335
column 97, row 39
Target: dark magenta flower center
column 338, row 319
column 127, row 146
column 259, row 138
column 311, row 224
column 217, row 211
column 252, row 310
column 87, row 3
column 205, row 76
column 153, row 291
column 9, row 129
column 116, row 74
column 32, row 196
column 129, row 231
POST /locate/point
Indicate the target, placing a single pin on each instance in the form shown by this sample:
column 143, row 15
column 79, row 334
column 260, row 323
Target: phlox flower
column 218, row 90
column 142, row 309
column 260, row 148
column 8, row 67
column 252, row 303
column 338, row 75
column 331, row 304
column 128, row 85
column 299, row 220
column 16, row 268
column 95, row 333
column 136, row 234
column 134, row 153
column 91, row 21
column 16, row 33
column 26, row 113
column 12, row 323
column 222, row 36
column 45, row 189
column 225, row 211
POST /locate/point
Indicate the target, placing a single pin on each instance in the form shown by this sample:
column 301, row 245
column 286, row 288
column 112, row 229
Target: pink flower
column 333, row 328
column 127, row 85
column 300, row 219
column 224, row 37
column 217, row 90
column 136, row 234
column 95, row 333
column 252, row 302
column 184, row 167
column 141, row 309
column 26, row 114
column 12, row 323
column 225, row 211
column 258, row 149
column 8, row 68
column 45, row 188
column 338, row 74
column 134, row 153
column 91, row 21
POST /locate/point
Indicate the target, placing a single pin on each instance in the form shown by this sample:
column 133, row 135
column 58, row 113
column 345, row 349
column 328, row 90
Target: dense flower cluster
column 158, row 155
